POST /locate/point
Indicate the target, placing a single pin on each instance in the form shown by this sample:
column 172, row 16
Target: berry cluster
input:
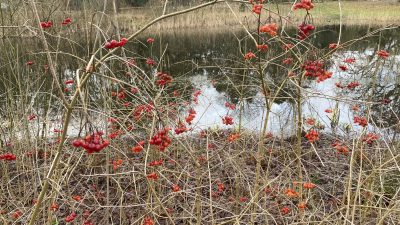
column 45, row 25
column 287, row 61
column 353, row 85
column 148, row 221
column 150, row 40
column 332, row 46
column 304, row 4
column 291, row 193
column 285, row 210
column 156, row 162
column 150, row 62
column 312, row 135
column 115, row 44
column 304, row 30
column 316, row 69
column 175, row 188
column 257, row 8
column 249, row 56
column 161, row 139
column 115, row 134
column 139, row 147
column 66, row 21
column 220, row 187
column 370, row 138
column 181, row 128
column 309, row 185
column 196, row 95
column 117, row 163
column 70, row 81
column 262, row 47
column 8, row 157
column 163, row 79
column 310, row 121
column 87, row 222
column 230, row 106
column 361, row 121
column 270, row 29
column 152, row 176
column 349, row 60
column 220, row 190
column 343, row 68
column 313, row 68
column 142, row 109
column 233, row 137
column 16, row 214
column 70, row 217
column 227, row 120
column 324, row 76
column 340, row 148
column 191, row 116
column 120, row 95
column 383, row 54
column 92, row 143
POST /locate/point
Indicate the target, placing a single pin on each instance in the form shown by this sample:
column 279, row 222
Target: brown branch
column 49, row 59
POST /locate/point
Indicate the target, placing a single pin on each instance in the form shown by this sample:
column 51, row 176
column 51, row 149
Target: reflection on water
column 214, row 63
column 319, row 97
column 211, row 109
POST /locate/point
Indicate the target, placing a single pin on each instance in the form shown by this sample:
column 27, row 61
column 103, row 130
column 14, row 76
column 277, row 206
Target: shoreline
column 219, row 17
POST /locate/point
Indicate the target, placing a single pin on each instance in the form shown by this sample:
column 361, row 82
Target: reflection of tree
column 221, row 49
column 386, row 113
column 385, row 92
column 382, row 84
column 216, row 53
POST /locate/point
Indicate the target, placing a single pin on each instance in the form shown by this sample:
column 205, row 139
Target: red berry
column 77, row 143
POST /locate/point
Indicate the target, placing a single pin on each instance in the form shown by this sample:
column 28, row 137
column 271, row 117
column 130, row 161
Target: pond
column 220, row 85
column 212, row 62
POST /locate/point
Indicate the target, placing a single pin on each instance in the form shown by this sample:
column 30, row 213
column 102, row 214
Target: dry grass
column 223, row 176
column 358, row 13
column 220, row 17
